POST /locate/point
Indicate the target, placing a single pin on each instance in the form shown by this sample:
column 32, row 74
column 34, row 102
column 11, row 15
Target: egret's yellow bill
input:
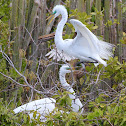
column 51, row 19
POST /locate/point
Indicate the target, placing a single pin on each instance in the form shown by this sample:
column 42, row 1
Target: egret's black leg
column 94, row 61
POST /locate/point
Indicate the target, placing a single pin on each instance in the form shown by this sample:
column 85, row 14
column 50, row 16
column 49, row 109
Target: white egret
column 42, row 106
column 76, row 103
column 46, row 105
column 85, row 46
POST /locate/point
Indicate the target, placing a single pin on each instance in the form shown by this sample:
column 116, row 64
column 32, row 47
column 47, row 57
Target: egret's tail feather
column 105, row 49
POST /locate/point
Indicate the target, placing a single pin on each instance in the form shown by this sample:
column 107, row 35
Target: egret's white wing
column 42, row 106
column 103, row 49
column 45, row 104
column 59, row 55
column 90, row 38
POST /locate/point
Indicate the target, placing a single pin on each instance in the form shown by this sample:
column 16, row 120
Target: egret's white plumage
column 85, row 46
column 46, row 105
column 42, row 106
column 58, row 55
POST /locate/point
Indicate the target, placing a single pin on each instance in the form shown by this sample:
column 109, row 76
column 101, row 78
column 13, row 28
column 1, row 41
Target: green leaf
column 124, row 9
column 56, row 96
column 68, row 100
column 25, row 118
column 116, row 109
column 124, row 120
column 93, row 13
column 28, row 118
column 117, row 67
column 50, row 123
column 95, row 27
column 90, row 116
column 116, row 122
column 120, row 108
column 34, row 114
column 109, row 109
column 102, row 105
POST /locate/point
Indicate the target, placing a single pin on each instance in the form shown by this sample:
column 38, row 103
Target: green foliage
column 113, row 113
column 116, row 70
column 4, row 10
column 4, row 33
column 123, row 40
column 123, row 7
column 7, row 117
column 101, row 112
column 64, row 100
column 110, row 22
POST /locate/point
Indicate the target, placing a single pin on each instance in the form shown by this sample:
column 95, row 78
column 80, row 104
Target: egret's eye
column 54, row 12
column 67, row 68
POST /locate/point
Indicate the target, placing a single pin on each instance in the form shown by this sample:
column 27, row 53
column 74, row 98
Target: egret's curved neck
column 76, row 103
column 66, row 85
column 59, row 30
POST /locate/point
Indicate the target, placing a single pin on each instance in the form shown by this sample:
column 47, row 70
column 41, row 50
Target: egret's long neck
column 66, row 85
column 59, row 30
column 76, row 103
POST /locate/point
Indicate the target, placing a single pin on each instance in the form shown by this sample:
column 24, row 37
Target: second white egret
column 46, row 105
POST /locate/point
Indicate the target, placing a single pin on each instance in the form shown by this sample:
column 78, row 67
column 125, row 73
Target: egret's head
column 59, row 9
column 65, row 69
